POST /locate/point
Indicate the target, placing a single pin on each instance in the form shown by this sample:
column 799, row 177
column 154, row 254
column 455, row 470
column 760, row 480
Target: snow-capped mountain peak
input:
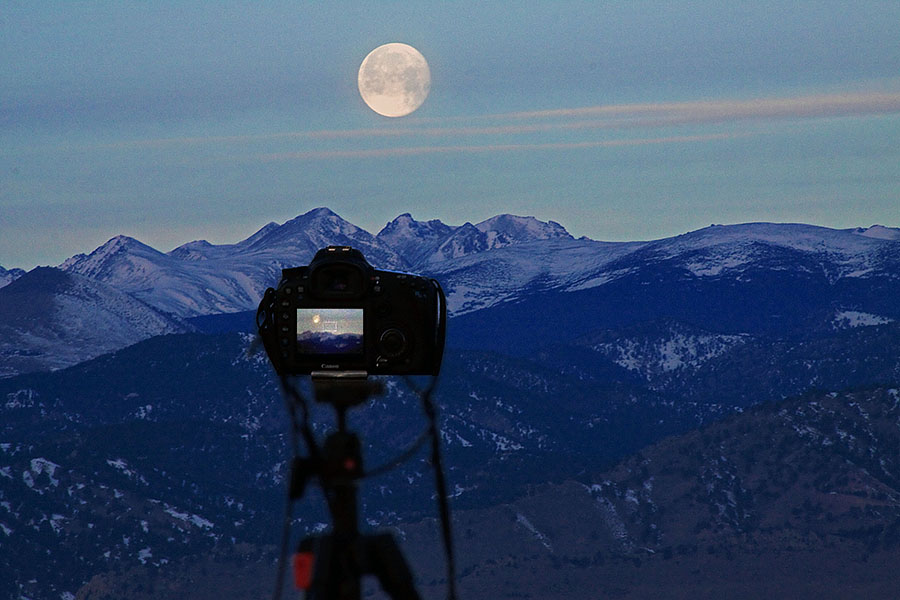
column 102, row 263
column 405, row 227
column 325, row 222
column 500, row 231
column 196, row 250
column 504, row 230
column 414, row 239
column 465, row 239
column 322, row 227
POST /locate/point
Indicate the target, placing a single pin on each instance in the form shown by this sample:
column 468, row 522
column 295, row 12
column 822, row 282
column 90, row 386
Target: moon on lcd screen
column 394, row 79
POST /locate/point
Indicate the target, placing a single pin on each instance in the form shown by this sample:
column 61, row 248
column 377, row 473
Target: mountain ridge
column 507, row 261
column 8, row 276
column 437, row 249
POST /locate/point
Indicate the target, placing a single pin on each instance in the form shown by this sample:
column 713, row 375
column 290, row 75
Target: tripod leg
column 385, row 560
column 335, row 573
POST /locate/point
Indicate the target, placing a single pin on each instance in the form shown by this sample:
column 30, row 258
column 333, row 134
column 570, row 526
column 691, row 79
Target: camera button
column 392, row 343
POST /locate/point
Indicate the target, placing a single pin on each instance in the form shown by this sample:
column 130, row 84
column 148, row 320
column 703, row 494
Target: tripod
column 330, row 567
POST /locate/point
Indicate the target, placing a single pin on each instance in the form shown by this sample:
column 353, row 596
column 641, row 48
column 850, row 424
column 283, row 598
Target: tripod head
column 344, row 390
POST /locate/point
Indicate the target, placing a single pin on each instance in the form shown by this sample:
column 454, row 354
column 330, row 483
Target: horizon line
column 318, row 208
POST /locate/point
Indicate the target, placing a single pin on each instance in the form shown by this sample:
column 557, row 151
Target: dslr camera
column 340, row 314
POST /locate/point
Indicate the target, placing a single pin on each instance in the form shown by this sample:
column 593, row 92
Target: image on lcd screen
column 330, row 330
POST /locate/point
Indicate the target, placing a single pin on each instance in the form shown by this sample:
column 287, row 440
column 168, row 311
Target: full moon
column 394, row 80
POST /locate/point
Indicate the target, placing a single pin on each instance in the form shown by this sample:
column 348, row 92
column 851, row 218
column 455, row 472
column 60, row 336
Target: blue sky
column 634, row 120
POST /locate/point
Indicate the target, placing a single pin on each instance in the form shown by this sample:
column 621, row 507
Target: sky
column 177, row 121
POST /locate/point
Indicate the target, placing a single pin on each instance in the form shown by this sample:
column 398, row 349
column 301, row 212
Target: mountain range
column 706, row 408
column 199, row 278
column 498, row 262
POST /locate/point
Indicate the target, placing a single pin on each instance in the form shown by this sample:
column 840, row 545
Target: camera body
column 340, row 314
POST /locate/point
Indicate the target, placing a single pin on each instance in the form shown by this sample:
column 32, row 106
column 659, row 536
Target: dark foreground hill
column 797, row 499
column 172, row 451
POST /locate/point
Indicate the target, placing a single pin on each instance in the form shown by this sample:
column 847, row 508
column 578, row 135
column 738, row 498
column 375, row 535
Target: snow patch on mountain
column 717, row 249
column 600, row 279
column 483, row 279
column 879, row 232
column 612, row 520
column 189, row 518
column 539, row 536
column 677, row 347
column 56, row 319
column 710, row 268
column 41, row 475
column 463, row 241
column 43, row 466
column 845, row 319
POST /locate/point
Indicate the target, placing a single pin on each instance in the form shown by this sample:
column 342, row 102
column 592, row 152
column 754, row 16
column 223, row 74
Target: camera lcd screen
column 330, row 331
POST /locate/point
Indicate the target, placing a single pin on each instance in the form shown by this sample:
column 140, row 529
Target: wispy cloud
column 601, row 117
column 822, row 105
column 339, row 134
column 421, row 150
